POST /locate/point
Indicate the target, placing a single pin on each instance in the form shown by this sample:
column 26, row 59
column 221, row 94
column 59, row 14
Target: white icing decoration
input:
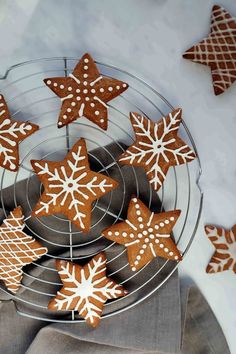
column 87, row 289
column 16, row 250
column 9, row 133
column 70, row 185
column 48, row 82
column 156, row 146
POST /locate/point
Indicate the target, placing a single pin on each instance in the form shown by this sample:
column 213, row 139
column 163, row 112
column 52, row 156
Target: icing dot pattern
column 86, row 91
column 145, row 234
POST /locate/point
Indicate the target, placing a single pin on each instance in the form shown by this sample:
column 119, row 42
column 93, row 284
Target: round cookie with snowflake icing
column 85, row 92
column 145, row 234
column 12, row 132
column 70, row 186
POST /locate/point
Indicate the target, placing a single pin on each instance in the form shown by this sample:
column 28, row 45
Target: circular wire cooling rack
column 29, row 99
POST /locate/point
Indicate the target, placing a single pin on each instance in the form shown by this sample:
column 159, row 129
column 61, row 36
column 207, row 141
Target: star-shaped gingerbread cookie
column 70, row 186
column 12, row 133
column 16, row 250
column 85, row 92
column 157, row 146
column 224, row 242
column 85, row 289
column 218, row 50
column 145, row 234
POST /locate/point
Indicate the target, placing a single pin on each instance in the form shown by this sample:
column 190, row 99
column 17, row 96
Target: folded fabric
column 154, row 325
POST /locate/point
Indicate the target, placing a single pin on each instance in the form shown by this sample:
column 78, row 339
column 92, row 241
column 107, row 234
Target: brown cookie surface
column 85, row 92
column 146, row 235
column 218, row 50
column 16, row 250
column 157, row 146
column 12, row 133
column 224, row 242
column 70, row 186
column 85, row 289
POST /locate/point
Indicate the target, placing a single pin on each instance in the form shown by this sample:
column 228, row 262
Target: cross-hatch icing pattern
column 11, row 133
column 85, row 92
column 16, row 250
column 218, row 50
column 85, row 289
column 157, row 146
column 224, row 242
column 71, row 186
column 145, row 234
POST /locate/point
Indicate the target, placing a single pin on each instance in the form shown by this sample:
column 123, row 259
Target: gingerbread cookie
column 145, row 234
column 85, row 289
column 85, row 92
column 218, row 50
column 11, row 134
column 16, row 250
column 70, row 186
column 224, row 242
column 157, row 146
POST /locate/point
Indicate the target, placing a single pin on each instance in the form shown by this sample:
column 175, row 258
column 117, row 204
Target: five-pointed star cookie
column 16, row 250
column 218, row 50
column 85, row 92
column 145, row 234
column 224, row 242
column 11, row 134
column 70, row 186
column 85, row 289
column 157, row 146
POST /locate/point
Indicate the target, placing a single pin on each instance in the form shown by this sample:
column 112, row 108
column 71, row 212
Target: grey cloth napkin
column 153, row 326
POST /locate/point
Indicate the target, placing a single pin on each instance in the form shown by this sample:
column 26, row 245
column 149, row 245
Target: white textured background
column 147, row 38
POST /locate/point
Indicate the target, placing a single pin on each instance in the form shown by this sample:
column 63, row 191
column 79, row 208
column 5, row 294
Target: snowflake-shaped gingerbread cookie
column 70, row 186
column 224, row 242
column 85, row 92
column 157, row 146
column 85, row 289
column 146, row 235
column 12, row 133
column 16, row 250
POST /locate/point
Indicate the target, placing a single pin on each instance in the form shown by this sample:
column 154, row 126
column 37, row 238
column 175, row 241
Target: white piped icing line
column 147, row 234
column 158, row 148
column 16, row 250
column 88, row 287
column 70, row 184
column 11, row 133
column 88, row 90
column 224, row 242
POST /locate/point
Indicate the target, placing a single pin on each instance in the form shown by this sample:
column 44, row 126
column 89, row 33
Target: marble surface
column 147, row 38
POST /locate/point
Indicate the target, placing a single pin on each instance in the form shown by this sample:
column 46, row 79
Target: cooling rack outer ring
column 65, row 61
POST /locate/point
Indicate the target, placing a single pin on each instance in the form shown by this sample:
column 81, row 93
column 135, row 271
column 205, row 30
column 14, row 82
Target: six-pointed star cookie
column 218, row 50
column 145, row 234
column 157, row 146
column 85, row 289
column 224, row 242
column 16, row 250
column 70, row 186
column 85, row 92
column 11, row 134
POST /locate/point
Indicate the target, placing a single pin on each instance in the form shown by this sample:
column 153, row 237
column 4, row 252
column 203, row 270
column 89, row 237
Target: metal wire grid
column 179, row 179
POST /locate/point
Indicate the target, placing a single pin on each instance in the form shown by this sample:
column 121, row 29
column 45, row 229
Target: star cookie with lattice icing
column 12, row 133
column 70, row 186
column 224, row 242
column 218, row 50
column 16, row 250
column 146, row 235
column 85, row 289
column 157, row 146
column 85, row 92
